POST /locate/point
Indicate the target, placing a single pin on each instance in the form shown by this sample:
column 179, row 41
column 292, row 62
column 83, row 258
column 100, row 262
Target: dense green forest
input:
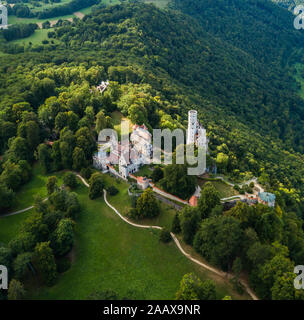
column 233, row 61
column 245, row 103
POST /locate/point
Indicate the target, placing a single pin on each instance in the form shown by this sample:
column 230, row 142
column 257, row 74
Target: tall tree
column 208, row 200
column 15, row 290
column 192, row 288
column 44, row 262
column 147, row 205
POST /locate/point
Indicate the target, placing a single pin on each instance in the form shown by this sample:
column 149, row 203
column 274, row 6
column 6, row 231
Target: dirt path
column 178, row 244
column 18, row 212
column 79, row 15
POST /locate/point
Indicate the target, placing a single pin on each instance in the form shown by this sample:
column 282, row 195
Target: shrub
column 165, row 236
column 112, row 191
column 86, row 172
column 133, row 214
column 176, row 228
column 70, row 180
column 236, row 187
column 96, row 185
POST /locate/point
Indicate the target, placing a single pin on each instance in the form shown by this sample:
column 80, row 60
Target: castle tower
column 3, row 17
column 192, row 126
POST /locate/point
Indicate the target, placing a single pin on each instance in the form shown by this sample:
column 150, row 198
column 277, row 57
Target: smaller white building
column 143, row 182
column 103, row 86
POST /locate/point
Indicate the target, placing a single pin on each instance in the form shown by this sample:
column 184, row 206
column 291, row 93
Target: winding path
column 178, row 244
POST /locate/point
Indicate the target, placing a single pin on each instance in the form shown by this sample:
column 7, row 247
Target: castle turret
column 3, row 17
column 192, row 126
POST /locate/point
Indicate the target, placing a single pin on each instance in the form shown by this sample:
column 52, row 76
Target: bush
column 96, row 186
column 176, row 228
column 133, row 214
column 133, row 201
column 70, row 180
column 236, row 187
column 147, row 206
column 165, row 236
column 112, row 191
column 157, row 174
column 86, row 172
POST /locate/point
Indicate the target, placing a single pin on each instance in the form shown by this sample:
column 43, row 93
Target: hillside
column 189, row 67
column 235, row 68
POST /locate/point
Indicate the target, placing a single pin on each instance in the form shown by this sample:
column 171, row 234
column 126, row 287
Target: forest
column 199, row 55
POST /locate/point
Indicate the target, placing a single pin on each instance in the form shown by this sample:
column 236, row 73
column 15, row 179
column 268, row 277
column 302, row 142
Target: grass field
column 16, row 20
column 223, row 189
column 117, row 118
column 144, row 171
column 111, row 254
column 86, row 10
column 25, row 196
column 9, row 226
column 36, row 38
column 158, row 3
column 47, row 5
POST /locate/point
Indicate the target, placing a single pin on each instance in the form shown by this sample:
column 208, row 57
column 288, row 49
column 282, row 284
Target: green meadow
column 110, row 254
column 36, row 38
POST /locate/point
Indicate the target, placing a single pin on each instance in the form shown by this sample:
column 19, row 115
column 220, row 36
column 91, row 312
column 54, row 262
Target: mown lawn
column 9, row 226
column 47, row 5
column 110, row 254
column 122, row 203
column 17, row 20
column 158, row 3
column 36, row 38
column 25, row 196
column 223, row 189
column 144, row 171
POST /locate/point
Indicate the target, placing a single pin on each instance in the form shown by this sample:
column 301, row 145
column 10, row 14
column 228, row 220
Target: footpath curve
column 187, row 255
column 214, row 270
column 176, row 241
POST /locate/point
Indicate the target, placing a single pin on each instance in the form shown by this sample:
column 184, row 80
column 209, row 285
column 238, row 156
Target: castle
column 139, row 151
column 129, row 157
column 3, row 17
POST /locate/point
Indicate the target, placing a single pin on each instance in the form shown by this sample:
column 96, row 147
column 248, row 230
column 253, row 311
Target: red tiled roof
column 141, row 179
column 193, row 201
